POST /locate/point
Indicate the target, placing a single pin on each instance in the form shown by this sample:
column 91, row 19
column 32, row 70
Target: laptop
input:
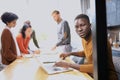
column 50, row 69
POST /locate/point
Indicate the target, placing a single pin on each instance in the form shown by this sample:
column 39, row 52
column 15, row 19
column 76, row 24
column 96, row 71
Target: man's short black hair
column 8, row 17
column 56, row 12
column 83, row 16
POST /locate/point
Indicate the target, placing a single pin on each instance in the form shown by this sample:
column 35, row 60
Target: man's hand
column 62, row 64
column 64, row 55
column 53, row 48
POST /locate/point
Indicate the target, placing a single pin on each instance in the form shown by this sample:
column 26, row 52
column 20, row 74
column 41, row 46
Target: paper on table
column 27, row 55
column 48, row 52
column 48, row 58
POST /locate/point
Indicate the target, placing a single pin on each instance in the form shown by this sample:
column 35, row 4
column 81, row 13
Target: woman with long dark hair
column 23, row 39
column 33, row 35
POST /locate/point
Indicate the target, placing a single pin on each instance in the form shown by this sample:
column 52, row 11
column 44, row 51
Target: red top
column 23, row 43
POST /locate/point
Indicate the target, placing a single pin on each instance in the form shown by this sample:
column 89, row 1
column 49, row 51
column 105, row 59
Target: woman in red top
column 23, row 39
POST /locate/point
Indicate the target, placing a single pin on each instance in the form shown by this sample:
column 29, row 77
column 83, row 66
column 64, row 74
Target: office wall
column 39, row 13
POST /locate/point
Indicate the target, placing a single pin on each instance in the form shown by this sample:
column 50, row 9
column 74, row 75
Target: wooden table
column 29, row 69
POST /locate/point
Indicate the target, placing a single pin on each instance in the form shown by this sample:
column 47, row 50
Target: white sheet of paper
column 48, row 52
column 48, row 58
column 27, row 55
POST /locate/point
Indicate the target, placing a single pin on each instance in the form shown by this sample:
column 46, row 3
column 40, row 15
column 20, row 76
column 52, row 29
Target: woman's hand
column 37, row 51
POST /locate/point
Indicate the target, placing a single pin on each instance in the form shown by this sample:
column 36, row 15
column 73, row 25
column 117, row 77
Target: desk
column 29, row 69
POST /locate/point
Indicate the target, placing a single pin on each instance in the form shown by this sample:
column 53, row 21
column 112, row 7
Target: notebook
column 50, row 69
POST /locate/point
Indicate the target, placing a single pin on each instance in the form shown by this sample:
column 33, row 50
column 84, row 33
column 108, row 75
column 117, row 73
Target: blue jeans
column 78, row 60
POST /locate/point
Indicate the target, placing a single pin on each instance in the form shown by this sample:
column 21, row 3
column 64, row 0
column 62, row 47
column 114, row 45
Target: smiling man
column 83, row 29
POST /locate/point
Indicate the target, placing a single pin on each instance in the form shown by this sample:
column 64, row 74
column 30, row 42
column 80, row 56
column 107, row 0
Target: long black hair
column 24, row 28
